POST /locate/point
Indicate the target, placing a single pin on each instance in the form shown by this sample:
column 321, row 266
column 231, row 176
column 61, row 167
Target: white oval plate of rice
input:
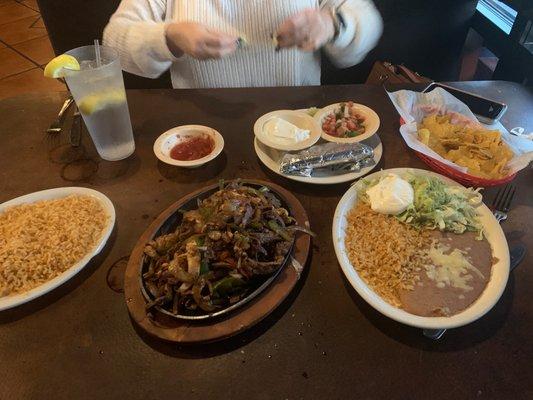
column 489, row 297
column 69, row 226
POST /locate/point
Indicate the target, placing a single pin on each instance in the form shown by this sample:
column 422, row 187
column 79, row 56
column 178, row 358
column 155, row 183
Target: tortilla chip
column 480, row 150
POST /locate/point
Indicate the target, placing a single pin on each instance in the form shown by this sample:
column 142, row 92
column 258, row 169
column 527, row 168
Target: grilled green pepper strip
column 227, row 286
column 355, row 133
column 256, row 225
column 204, row 263
column 204, row 266
column 256, row 193
column 273, row 225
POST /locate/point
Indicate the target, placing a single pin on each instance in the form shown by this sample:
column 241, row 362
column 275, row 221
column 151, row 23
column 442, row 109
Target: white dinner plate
column 50, row 194
column 271, row 159
column 489, row 297
column 371, row 123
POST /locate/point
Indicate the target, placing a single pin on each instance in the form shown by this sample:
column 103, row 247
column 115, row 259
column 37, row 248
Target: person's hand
column 198, row 41
column 309, row 30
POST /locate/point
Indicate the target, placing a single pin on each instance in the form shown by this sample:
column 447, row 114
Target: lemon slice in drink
column 98, row 101
column 54, row 69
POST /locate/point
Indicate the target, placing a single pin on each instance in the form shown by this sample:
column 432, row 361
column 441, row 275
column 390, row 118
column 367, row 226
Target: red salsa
column 346, row 122
column 192, row 148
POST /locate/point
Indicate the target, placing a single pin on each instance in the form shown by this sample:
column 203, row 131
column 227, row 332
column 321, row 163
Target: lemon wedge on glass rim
column 54, row 69
column 89, row 103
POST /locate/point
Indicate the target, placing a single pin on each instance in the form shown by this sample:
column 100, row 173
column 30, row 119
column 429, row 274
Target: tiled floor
column 24, row 49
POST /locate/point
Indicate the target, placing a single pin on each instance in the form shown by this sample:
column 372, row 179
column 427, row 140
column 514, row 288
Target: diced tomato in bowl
column 346, row 122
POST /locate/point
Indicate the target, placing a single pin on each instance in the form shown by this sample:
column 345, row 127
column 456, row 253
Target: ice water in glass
column 101, row 98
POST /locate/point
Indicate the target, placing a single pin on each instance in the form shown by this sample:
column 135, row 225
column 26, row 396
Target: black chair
column 425, row 35
column 74, row 23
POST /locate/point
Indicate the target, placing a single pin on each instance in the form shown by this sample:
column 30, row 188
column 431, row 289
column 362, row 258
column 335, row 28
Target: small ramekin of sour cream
column 287, row 130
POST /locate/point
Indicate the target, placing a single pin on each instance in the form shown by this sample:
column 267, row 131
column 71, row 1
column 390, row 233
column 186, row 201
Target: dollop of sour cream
column 391, row 195
column 283, row 132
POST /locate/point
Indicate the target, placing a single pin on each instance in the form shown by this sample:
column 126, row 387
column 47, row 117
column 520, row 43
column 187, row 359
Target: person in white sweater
column 241, row 43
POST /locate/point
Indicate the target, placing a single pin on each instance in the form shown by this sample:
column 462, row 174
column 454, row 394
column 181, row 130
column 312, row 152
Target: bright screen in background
column 499, row 13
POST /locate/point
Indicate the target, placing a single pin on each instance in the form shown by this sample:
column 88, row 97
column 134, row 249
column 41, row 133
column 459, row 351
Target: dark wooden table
column 323, row 343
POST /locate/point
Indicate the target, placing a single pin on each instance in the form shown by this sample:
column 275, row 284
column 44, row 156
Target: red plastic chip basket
column 458, row 176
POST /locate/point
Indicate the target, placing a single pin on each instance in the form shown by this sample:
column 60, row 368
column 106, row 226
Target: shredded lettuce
column 312, row 111
column 437, row 205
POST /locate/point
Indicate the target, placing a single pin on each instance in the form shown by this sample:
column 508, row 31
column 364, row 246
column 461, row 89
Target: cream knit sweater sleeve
column 363, row 28
column 137, row 31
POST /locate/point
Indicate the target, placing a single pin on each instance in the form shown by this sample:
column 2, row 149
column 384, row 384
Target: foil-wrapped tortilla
column 336, row 156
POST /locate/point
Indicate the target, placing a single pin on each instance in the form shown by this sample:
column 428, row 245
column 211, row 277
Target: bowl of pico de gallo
column 347, row 122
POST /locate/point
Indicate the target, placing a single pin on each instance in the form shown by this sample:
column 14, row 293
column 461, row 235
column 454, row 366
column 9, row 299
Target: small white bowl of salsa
column 188, row 146
column 347, row 122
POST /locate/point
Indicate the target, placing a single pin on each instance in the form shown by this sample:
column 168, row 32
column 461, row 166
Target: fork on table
column 502, row 202
column 57, row 125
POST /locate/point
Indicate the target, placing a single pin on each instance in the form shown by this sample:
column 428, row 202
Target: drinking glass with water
column 98, row 90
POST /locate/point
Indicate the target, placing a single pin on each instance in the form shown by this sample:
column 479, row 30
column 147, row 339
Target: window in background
column 505, row 29
column 498, row 13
